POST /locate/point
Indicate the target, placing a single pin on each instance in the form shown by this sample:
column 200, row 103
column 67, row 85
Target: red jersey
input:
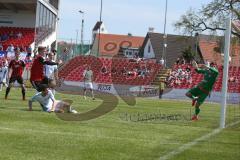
column 37, row 70
column 37, row 73
column 17, row 67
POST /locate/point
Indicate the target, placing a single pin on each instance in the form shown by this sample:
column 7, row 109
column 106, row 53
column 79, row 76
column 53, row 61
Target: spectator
column 11, row 34
column 10, row 48
column 188, row 68
column 178, row 61
column 1, row 47
column 183, row 61
column 124, row 71
column 4, row 37
column 19, row 35
column 29, row 51
column 162, row 86
column 161, row 61
column 232, row 79
column 113, row 71
column 104, row 70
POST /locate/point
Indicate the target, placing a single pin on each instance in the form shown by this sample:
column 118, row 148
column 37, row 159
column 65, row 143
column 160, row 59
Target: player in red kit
column 16, row 68
column 37, row 70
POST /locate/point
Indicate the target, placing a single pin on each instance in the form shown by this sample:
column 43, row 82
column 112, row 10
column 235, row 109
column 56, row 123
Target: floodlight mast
column 82, row 29
column 225, row 73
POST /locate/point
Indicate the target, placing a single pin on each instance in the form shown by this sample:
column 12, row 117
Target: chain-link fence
column 69, row 48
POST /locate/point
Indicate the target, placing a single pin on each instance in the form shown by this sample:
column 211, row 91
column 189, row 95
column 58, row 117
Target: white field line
column 188, row 145
column 151, row 141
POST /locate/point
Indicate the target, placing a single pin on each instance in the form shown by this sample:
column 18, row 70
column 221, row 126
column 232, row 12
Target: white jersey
column 49, row 71
column 88, row 75
column 3, row 74
column 45, row 101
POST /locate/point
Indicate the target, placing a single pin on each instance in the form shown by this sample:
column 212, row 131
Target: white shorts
column 58, row 106
column 88, row 85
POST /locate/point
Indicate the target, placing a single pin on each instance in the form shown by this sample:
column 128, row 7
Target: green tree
column 211, row 17
column 188, row 54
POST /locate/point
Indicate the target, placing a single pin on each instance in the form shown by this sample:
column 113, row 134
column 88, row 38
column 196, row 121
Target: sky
column 121, row 16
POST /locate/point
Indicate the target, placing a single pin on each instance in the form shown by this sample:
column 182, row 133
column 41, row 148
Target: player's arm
column 42, row 61
column 10, row 70
column 53, row 106
column 23, row 66
column 33, row 99
column 84, row 75
column 214, row 70
column 92, row 77
column 199, row 68
column 56, row 74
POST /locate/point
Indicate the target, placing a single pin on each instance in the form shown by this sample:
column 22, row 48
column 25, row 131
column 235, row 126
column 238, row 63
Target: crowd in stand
column 5, row 36
column 141, row 72
column 179, row 76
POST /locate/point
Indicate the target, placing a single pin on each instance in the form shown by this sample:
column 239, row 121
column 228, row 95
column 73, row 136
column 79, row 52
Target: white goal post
column 225, row 72
column 229, row 25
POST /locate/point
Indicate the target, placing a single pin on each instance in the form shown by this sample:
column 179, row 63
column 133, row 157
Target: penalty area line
column 188, row 145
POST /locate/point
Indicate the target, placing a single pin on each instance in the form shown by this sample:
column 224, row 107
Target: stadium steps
column 163, row 73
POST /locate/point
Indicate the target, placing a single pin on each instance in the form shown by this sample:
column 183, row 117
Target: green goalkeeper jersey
column 210, row 76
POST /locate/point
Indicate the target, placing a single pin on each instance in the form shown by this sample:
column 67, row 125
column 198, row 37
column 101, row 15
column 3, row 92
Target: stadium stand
column 233, row 85
column 106, row 70
column 11, row 33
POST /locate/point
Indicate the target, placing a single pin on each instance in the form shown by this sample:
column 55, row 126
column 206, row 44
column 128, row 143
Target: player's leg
column 200, row 101
column 1, row 85
column 36, row 85
column 11, row 81
column 84, row 92
column 91, row 90
column 193, row 93
column 64, row 106
column 20, row 81
column 52, row 85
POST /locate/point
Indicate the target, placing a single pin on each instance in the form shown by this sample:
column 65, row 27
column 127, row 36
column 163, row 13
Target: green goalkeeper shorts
column 197, row 92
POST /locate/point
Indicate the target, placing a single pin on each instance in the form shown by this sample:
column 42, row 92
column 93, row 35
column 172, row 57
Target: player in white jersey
column 3, row 74
column 49, row 103
column 88, row 78
column 51, row 73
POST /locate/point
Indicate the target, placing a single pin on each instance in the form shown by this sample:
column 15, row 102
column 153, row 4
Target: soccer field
column 127, row 133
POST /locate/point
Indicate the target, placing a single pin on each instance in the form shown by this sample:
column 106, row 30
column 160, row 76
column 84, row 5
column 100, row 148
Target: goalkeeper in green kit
column 199, row 93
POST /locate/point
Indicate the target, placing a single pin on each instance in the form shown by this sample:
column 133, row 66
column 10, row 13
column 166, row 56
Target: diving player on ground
column 199, row 93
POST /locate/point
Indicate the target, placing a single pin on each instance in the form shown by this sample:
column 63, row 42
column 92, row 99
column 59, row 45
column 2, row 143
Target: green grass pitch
column 117, row 135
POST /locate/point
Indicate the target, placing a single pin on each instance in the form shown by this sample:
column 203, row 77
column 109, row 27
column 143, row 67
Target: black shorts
column 46, row 80
column 36, row 85
column 18, row 79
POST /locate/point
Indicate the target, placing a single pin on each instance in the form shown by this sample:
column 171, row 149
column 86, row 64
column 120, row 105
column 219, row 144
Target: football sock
column 7, row 91
column 197, row 110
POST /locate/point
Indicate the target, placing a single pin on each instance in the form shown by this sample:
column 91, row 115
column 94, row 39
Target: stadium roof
column 209, row 52
column 16, row 5
column 97, row 26
column 175, row 45
column 110, row 43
